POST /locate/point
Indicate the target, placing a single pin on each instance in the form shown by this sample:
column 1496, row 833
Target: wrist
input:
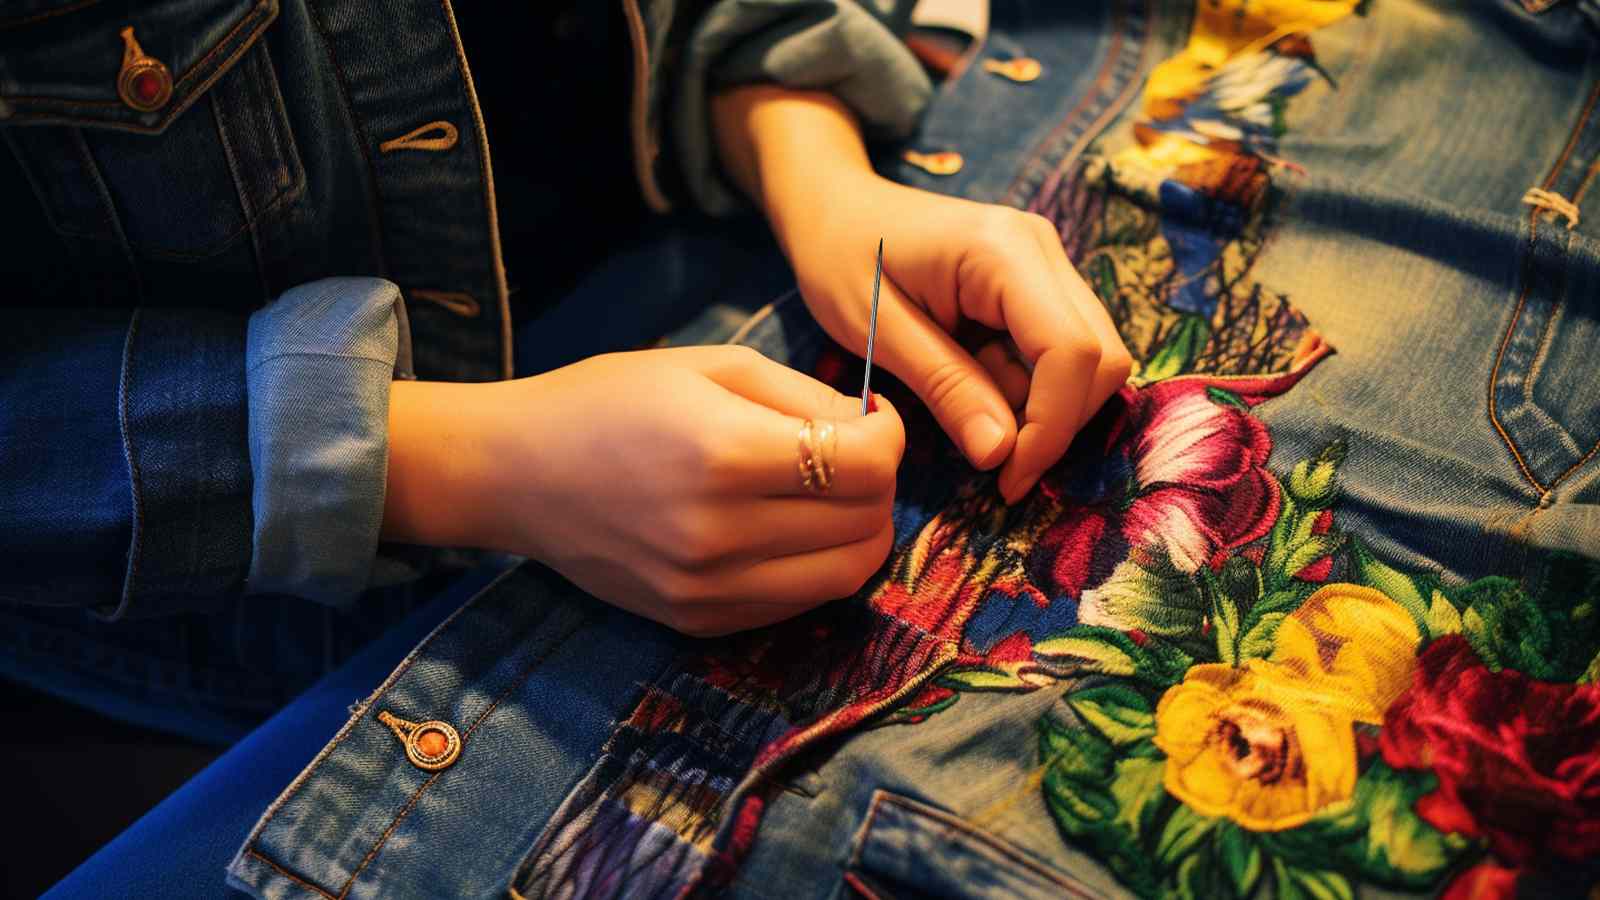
column 438, row 470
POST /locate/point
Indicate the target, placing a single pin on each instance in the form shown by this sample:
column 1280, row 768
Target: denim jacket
column 237, row 220
column 1308, row 610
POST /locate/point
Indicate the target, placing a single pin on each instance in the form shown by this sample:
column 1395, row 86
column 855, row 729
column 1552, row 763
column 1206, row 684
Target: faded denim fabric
column 1308, row 609
column 319, row 362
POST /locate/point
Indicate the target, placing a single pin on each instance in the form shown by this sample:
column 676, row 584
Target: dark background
column 75, row 780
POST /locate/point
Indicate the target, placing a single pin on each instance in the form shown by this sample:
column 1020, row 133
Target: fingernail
column 981, row 435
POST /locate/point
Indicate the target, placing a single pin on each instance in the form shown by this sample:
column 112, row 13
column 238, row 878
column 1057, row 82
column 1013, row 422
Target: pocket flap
column 61, row 62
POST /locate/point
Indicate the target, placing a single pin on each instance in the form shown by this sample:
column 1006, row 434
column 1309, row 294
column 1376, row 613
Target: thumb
column 956, row 388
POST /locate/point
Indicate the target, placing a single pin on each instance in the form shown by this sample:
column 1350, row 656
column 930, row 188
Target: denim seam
column 497, row 266
column 1114, row 108
column 239, row 191
column 130, row 577
column 291, row 876
column 1588, row 180
column 1522, row 300
column 249, row 18
column 47, row 14
column 516, row 683
column 286, row 150
column 110, row 209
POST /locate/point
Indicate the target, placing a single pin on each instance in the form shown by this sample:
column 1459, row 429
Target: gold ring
column 817, row 444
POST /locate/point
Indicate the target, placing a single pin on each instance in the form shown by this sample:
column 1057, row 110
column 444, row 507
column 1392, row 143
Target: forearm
column 787, row 150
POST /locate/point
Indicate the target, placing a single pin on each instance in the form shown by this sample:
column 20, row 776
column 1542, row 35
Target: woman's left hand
column 1046, row 352
column 981, row 314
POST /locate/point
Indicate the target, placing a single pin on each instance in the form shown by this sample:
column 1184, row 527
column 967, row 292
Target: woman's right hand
column 666, row 482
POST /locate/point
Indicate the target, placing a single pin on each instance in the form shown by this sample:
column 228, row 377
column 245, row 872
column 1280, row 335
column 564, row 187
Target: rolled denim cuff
column 181, row 405
column 319, row 362
column 833, row 45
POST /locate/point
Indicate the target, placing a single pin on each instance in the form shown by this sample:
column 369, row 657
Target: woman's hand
column 666, row 482
column 1045, row 349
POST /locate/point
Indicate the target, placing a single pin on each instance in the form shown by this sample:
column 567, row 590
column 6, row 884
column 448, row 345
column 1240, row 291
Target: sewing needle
column 872, row 334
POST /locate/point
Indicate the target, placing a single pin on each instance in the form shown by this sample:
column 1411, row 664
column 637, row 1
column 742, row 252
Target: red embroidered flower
column 1184, row 471
column 1518, row 760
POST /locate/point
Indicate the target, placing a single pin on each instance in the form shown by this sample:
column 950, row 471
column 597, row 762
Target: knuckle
column 998, row 228
column 1084, row 352
column 697, row 540
column 1119, row 361
column 1040, row 224
column 943, row 381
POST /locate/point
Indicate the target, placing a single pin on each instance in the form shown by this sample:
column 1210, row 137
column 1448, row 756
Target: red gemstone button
column 147, row 86
column 432, row 743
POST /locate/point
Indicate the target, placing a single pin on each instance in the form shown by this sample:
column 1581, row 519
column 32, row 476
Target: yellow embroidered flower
column 1272, row 744
column 1353, row 646
column 1239, row 744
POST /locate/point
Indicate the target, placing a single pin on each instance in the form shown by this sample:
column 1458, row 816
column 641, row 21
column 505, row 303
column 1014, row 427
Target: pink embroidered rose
column 1184, row 475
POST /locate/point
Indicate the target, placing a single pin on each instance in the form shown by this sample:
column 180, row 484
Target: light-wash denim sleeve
column 847, row 47
column 318, row 365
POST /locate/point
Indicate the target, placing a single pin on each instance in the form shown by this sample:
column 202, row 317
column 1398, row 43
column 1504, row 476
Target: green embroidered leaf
column 1239, row 857
column 1184, row 831
column 1098, row 806
column 1156, row 599
column 1241, row 581
column 1309, row 551
column 1262, row 637
column 983, row 679
column 1592, row 673
column 1176, row 355
column 1139, row 791
column 1225, row 626
column 1476, row 631
column 1443, row 617
column 1223, row 397
column 1307, row 884
column 1284, row 600
column 1200, row 878
column 1314, row 482
column 1377, row 833
column 1071, row 751
column 1093, row 648
column 1394, row 584
column 1281, row 535
column 1087, row 652
column 1119, row 713
column 1550, row 635
column 1291, row 545
column 918, row 713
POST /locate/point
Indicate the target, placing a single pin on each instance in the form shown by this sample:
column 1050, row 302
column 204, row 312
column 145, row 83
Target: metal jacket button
column 431, row 746
column 144, row 83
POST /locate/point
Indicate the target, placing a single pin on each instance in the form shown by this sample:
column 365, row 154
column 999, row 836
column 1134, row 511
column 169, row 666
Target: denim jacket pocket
column 908, row 849
column 155, row 133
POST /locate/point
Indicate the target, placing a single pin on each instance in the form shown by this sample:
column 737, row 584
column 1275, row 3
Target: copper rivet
column 144, row 83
